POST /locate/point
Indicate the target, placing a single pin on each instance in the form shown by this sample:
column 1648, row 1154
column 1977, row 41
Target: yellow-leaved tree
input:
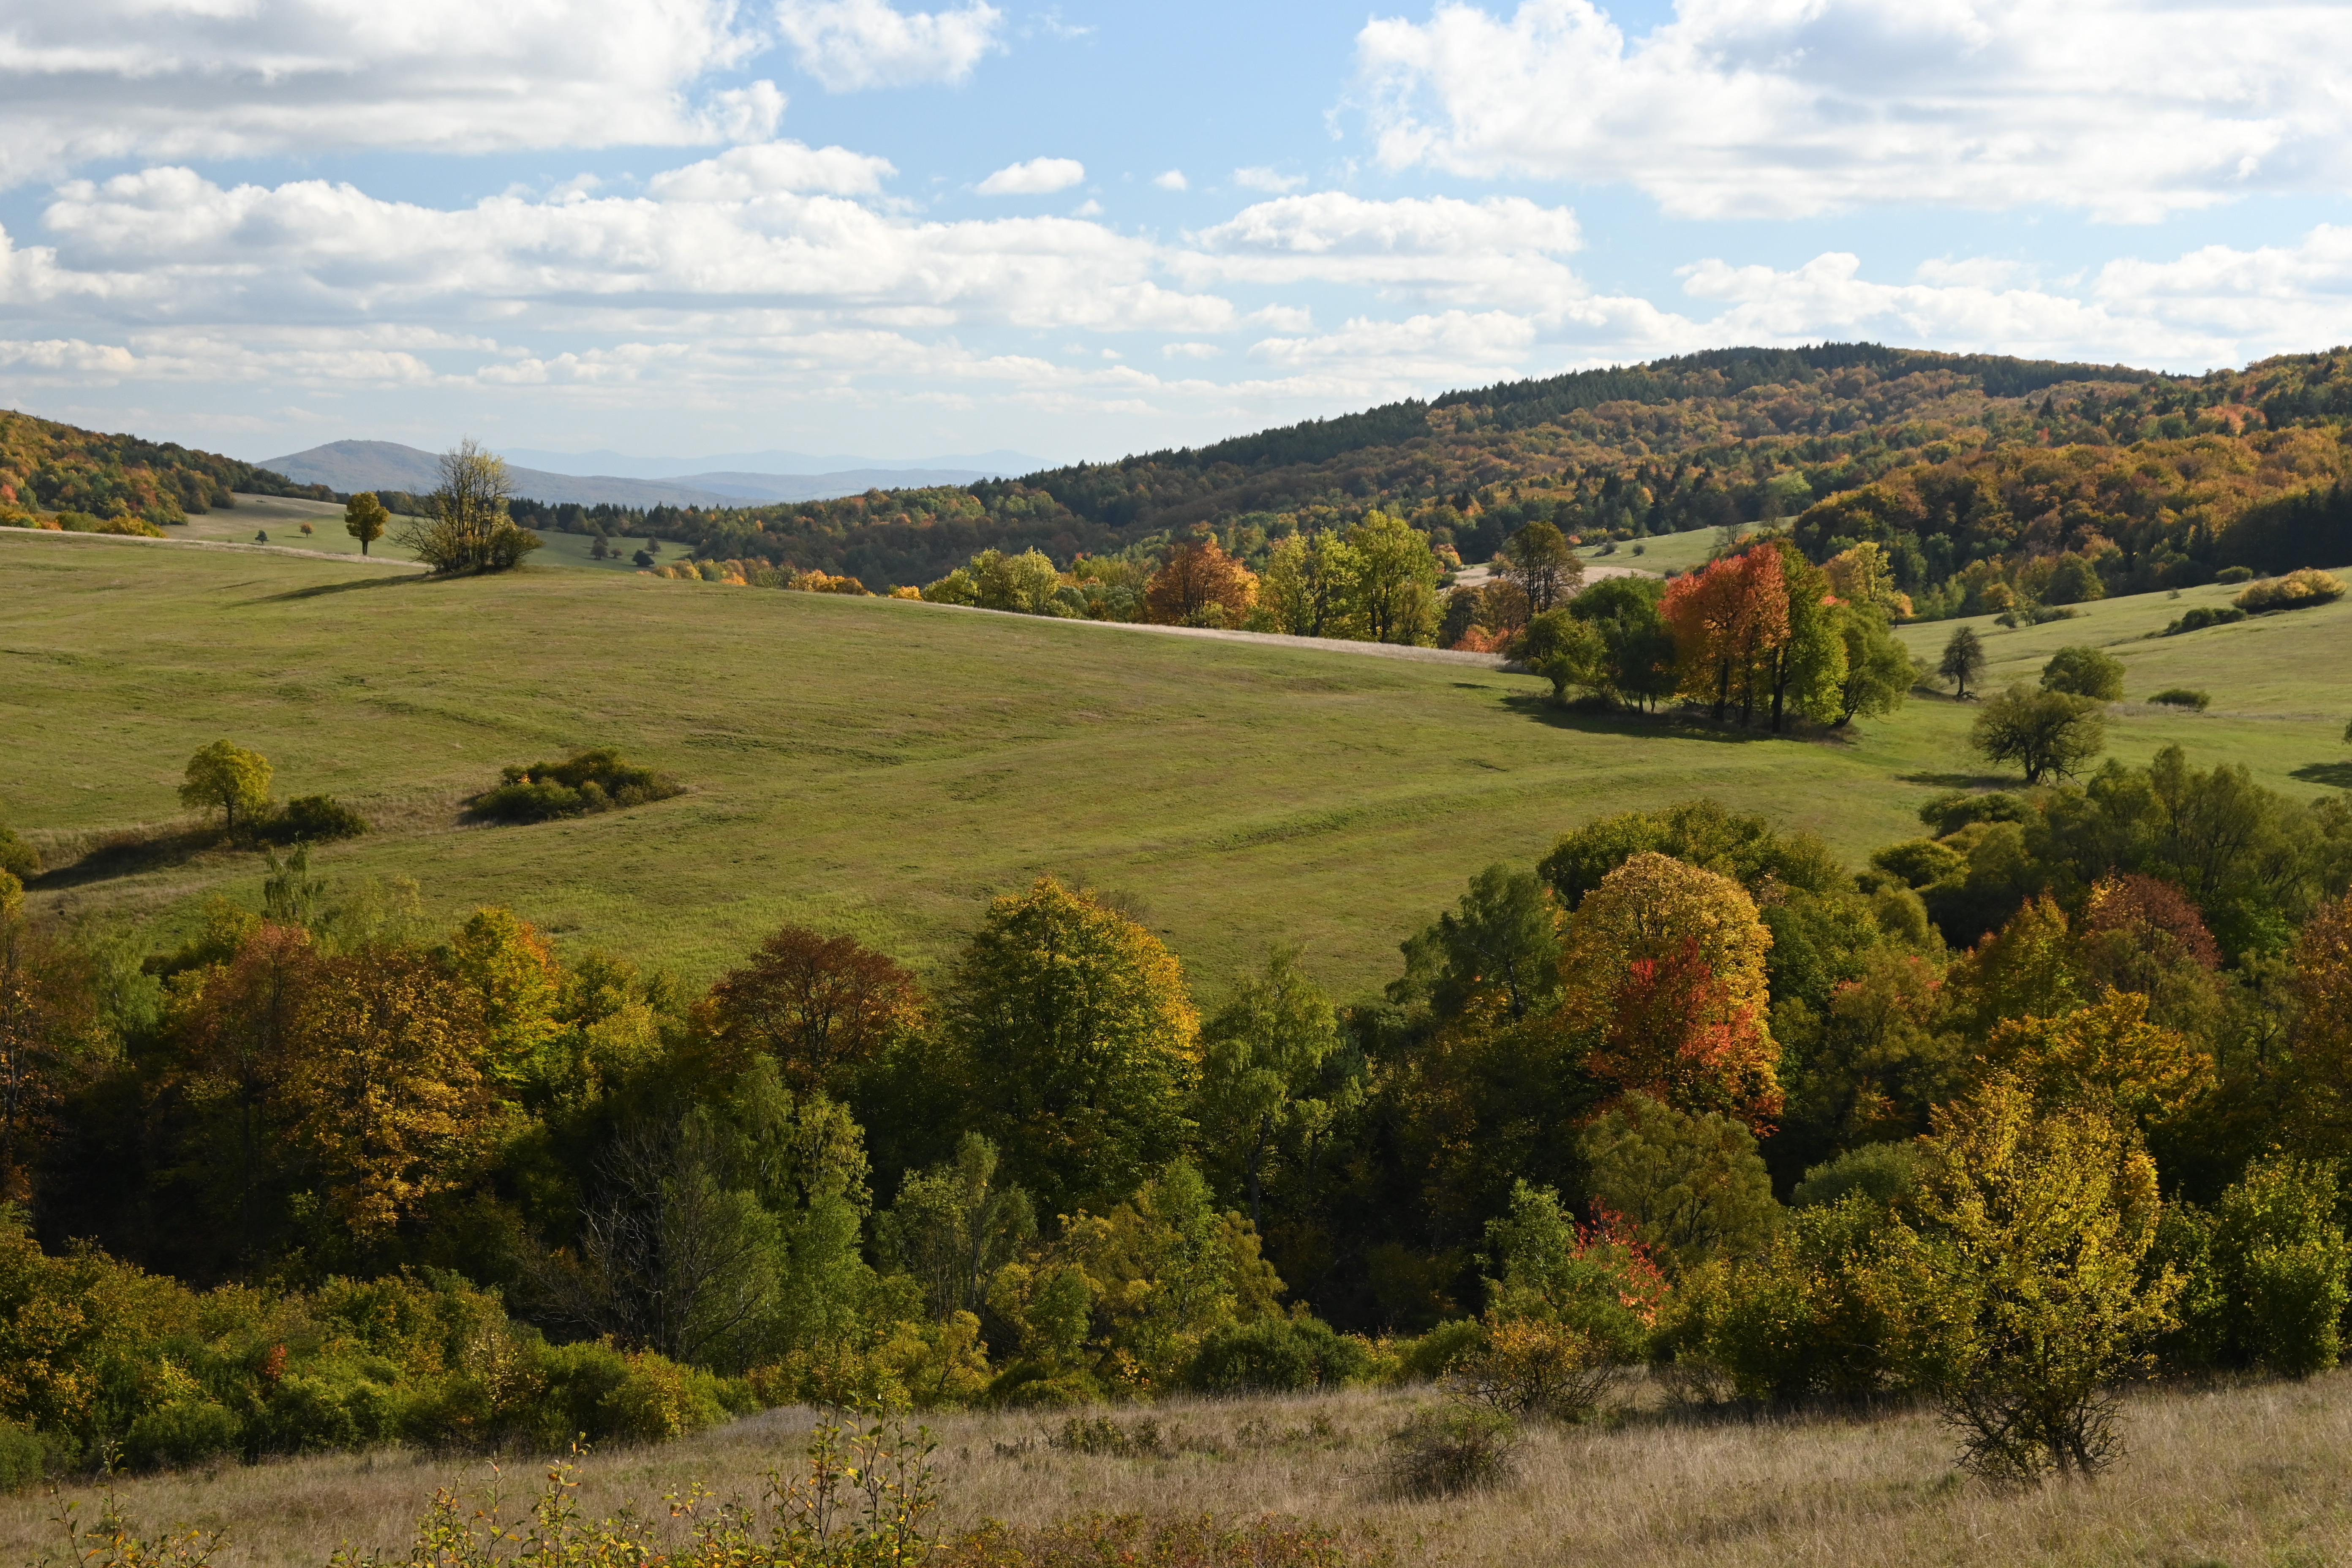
column 510, row 971
column 2017, row 1293
column 2104, row 1055
column 389, row 1104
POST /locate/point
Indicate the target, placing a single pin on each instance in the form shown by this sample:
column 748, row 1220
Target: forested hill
column 1947, row 459
column 52, row 468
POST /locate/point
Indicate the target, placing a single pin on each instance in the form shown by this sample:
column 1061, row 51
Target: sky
column 674, row 227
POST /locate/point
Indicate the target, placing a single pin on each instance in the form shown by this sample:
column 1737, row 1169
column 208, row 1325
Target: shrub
column 2085, row 672
column 1920, row 862
column 1436, row 1352
column 18, row 858
column 2234, row 575
column 24, row 1457
column 2295, row 591
column 327, row 1409
column 656, row 1400
column 1277, row 1355
column 310, row 819
column 588, row 782
column 2204, row 616
column 1884, row 1172
column 1948, row 813
column 188, row 1431
column 1445, row 1453
column 2282, row 1260
column 2183, row 697
column 1526, row 1366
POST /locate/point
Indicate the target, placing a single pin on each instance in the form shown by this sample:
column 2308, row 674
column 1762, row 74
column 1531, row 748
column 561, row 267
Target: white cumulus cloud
column 1265, row 179
column 1173, row 180
column 1504, row 250
column 2123, row 109
column 85, row 80
column 1037, row 177
column 850, row 45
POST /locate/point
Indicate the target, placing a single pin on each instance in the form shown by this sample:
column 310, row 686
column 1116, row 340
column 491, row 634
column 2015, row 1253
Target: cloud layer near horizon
column 782, row 258
column 756, row 271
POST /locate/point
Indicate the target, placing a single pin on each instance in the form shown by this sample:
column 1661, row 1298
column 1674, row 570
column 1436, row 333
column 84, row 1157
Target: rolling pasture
column 882, row 768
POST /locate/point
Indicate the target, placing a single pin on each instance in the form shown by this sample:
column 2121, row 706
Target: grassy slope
column 1659, row 552
column 884, row 767
column 281, row 517
column 2235, row 1474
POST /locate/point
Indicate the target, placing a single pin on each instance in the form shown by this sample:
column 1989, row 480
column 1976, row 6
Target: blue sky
column 683, row 227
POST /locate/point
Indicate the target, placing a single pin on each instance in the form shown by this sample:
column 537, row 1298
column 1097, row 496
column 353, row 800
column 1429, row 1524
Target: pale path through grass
column 2242, row 1476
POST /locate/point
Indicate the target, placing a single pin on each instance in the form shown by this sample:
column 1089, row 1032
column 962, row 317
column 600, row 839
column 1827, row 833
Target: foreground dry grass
column 2246, row 1474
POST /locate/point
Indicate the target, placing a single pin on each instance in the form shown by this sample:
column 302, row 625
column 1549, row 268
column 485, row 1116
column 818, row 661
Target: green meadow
column 883, row 768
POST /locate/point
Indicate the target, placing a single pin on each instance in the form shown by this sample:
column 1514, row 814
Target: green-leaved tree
column 1078, row 1045
column 1262, row 1064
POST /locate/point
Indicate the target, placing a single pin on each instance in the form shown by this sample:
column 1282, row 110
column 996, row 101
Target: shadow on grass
column 320, row 591
column 1593, row 718
column 131, row 852
column 1959, row 781
column 2334, row 775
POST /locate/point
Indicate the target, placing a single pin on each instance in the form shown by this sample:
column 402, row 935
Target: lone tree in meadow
column 365, row 519
column 2043, row 732
column 227, row 778
column 469, row 529
column 1963, row 660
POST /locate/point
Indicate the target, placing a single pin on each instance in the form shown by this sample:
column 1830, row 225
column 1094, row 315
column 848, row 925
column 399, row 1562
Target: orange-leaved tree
column 1729, row 621
column 233, row 1026
column 823, row 1006
column 1199, row 585
column 45, row 1021
column 2321, row 1072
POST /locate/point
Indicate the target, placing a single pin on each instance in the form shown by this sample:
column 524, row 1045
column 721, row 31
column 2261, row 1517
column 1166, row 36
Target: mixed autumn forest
column 1655, row 1093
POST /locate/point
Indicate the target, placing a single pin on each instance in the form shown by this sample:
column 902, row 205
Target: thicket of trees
column 1990, row 483
column 2047, row 1098
column 48, row 467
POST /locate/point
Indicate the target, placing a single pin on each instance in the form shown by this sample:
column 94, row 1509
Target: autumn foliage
column 1200, row 584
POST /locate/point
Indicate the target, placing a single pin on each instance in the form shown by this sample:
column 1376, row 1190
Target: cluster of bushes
column 2298, row 590
column 2202, row 617
column 107, row 1359
column 581, row 785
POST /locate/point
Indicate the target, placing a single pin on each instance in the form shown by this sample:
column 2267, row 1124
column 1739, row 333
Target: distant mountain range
column 349, row 466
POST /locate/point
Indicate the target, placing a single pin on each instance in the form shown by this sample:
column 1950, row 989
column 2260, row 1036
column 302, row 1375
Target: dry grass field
column 2242, row 1475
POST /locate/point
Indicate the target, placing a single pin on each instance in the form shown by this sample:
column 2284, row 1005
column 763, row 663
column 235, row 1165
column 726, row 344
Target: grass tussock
column 2235, row 1473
